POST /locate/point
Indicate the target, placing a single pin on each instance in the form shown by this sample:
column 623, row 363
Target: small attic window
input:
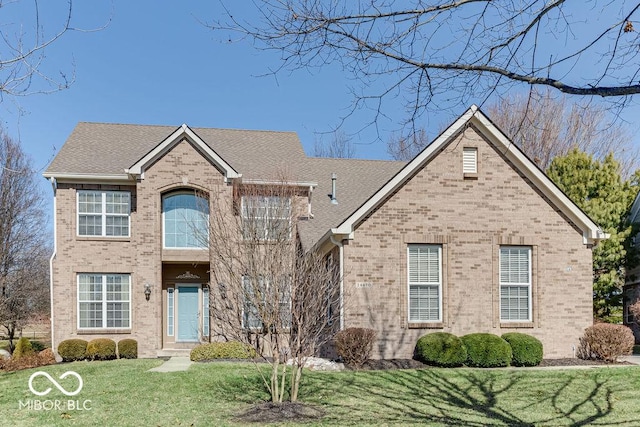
column 470, row 162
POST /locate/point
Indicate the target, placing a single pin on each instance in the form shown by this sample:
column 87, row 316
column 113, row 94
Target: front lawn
column 123, row 393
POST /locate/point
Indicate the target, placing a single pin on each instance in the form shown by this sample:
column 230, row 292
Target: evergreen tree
column 599, row 190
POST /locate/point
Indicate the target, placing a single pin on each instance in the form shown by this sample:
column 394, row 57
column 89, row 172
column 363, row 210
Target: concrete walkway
column 174, row 364
column 635, row 359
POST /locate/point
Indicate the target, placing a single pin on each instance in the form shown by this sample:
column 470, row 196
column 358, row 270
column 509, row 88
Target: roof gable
column 183, row 132
column 473, row 116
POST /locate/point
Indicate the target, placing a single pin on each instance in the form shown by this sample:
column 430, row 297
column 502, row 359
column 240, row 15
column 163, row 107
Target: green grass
column 123, row 393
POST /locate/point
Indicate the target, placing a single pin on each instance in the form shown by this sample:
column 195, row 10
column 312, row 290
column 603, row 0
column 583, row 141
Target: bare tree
column 338, row 147
column 545, row 126
column 22, row 48
column 267, row 291
column 23, row 245
column 439, row 53
column 407, row 147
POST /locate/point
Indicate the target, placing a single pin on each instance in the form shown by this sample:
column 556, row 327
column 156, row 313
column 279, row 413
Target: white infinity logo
column 55, row 383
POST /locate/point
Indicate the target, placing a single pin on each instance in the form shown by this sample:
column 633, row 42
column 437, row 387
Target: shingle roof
column 357, row 181
column 101, row 148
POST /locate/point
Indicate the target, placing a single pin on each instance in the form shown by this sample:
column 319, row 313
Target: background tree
column 23, row 245
column 597, row 187
column 339, row 146
column 405, row 148
column 436, row 54
column 545, row 125
column 267, row 291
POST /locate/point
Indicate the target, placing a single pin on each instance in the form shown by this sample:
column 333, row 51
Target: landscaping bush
column 605, row 341
column 354, row 345
column 222, row 350
column 71, row 350
column 32, row 360
column 486, row 350
column 441, row 349
column 525, row 349
column 128, row 349
column 23, row 348
column 38, row 346
column 101, row 349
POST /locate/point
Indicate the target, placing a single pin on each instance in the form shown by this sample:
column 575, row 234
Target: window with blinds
column 470, row 160
column 515, row 283
column 425, row 282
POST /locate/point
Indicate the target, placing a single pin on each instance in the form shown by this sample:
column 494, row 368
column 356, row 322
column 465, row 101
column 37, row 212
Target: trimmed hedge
column 222, row 350
column 526, row 350
column 487, row 350
column 101, row 349
column 128, row 349
column 354, row 345
column 441, row 349
column 72, row 350
column 23, row 348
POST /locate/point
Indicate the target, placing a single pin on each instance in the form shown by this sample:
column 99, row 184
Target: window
column 425, row 282
column 515, row 283
column 205, row 311
column 104, row 301
column 266, row 218
column 186, row 220
column 104, row 213
column 470, row 160
column 170, row 311
column 257, row 303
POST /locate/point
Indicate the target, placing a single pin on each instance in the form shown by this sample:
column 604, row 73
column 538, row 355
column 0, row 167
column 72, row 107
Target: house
column 469, row 236
column 631, row 289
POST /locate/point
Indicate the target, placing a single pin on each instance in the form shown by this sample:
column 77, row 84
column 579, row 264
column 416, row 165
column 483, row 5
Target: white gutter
column 341, row 249
column 54, row 185
column 87, row 177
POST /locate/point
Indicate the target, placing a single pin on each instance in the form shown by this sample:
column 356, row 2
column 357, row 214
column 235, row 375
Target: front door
column 187, row 308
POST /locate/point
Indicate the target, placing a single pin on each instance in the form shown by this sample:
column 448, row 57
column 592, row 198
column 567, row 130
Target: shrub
column 38, row 346
column 128, row 349
column 222, row 350
column 605, row 341
column 71, row 350
column 526, row 350
column 354, row 345
column 441, row 349
column 23, row 348
column 486, row 350
column 101, row 349
column 32, row 360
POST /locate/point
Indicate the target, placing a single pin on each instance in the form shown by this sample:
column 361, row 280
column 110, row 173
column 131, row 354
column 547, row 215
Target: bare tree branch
column 437, row 54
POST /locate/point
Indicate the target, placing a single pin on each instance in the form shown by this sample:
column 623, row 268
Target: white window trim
column 104, row 303
column 409, row 283
column 205, row 312
column 103, row 214
column 529, row 285
column 182, row 248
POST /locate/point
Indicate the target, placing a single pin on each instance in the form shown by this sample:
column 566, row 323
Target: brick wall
column 141, row 255
column 470, row 218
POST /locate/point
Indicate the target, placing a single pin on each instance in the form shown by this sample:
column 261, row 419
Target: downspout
column 341, row 257
column 54, row 186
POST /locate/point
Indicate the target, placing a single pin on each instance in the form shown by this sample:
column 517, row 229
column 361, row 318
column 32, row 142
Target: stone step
column 170, row 352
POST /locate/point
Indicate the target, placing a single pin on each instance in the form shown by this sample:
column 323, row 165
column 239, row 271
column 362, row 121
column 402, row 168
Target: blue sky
column 155, row 63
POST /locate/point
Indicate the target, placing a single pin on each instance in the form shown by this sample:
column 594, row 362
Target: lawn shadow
column 464, row 397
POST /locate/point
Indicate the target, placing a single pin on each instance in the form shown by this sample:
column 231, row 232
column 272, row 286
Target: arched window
column 185, row 220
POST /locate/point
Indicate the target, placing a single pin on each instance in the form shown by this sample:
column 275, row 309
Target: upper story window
column 103, row 213
column 425, row 282
column 266, row 218
column 515, row 283
column 186, row 220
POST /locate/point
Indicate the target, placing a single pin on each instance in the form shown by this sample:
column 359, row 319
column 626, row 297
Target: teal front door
column 187, row 313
